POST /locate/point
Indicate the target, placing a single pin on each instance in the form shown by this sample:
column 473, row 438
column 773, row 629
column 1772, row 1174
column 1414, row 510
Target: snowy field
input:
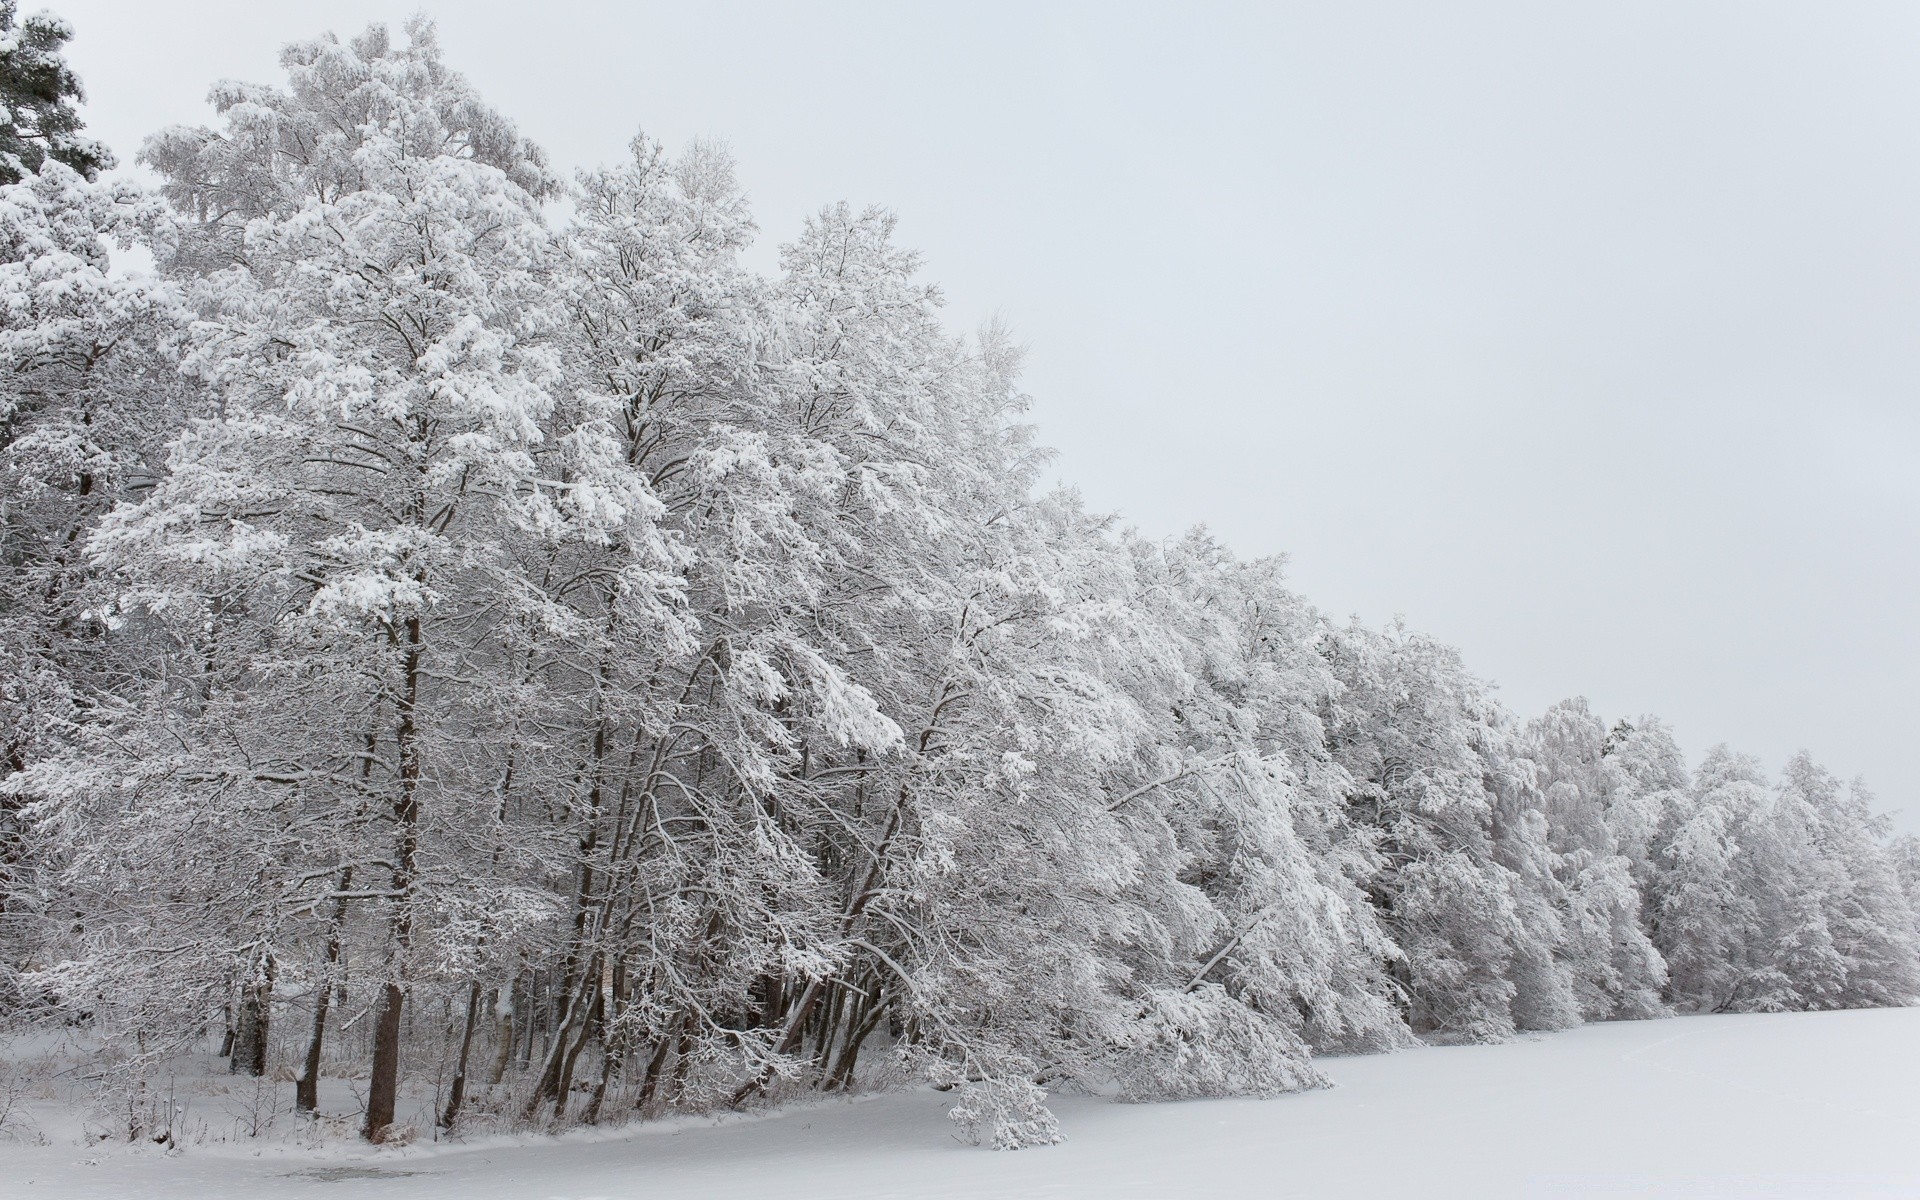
column 1816, row 1105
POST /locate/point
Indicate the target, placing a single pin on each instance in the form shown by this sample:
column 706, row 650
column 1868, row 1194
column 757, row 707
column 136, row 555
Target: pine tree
column 39, row 91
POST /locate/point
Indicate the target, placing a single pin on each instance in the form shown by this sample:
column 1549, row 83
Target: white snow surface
column 1792, row 1105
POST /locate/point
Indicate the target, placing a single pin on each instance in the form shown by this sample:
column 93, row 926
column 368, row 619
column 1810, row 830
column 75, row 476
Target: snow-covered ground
column 1823, row 1105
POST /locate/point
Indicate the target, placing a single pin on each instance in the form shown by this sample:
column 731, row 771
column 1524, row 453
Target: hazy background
column 1584, row 336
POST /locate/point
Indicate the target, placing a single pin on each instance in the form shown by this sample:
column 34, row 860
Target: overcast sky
column 1586, row 337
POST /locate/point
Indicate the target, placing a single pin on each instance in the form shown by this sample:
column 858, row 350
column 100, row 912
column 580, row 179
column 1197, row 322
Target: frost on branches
column 543, row 665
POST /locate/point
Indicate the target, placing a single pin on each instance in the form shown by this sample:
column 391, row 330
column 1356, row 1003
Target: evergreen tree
column 38, row 91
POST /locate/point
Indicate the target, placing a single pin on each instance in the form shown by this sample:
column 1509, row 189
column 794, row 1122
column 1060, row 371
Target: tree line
column 458, row 620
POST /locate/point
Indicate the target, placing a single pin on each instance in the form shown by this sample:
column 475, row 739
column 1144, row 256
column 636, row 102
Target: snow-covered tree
column 1857, row 885
column 88, row 397
column 354, row 552
column 1703, row 911
column 1421, row 740
column 38, row 91
column 1584, row 794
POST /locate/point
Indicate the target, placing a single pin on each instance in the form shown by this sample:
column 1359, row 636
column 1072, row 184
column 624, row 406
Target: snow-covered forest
column 463, row 630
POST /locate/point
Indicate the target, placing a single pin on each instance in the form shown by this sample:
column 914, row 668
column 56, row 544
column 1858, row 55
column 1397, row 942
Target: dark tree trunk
column 457, row 1091
column 557, row 1065
column 250, row 1021
column 563, row 1086
column 682, row 1060
column 306, row 1091
column 384, row 1089
column 383, row 1086
column 609, row 1067
column 656, row 1065
column 841, row 1076
column 612, row 1047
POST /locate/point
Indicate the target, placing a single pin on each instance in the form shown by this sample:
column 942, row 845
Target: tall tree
column 88, row 399
column 379, row 503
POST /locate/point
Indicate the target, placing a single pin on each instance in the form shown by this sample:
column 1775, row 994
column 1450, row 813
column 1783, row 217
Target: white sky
column 1587, row 337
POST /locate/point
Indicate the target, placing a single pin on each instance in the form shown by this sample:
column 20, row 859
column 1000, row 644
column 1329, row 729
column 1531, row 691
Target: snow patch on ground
column 1791, row 1105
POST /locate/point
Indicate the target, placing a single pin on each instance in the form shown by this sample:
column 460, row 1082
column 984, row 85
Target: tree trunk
column 383, row 1086
column 457, row 1091
column 557, row 1060
column 563, row 1086
column 503, row 1033
column 612, row 1042
column 306, row 1091
column 840, row 1077
column 383, row 1090
column 656, row 1065
column 609, row 1067
column 250, row 1021
column 683, row 1059
column 557, row 1078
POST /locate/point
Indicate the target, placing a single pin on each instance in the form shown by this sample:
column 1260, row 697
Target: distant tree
column 1421, row 739
column 1862, row 904
column 1904, row 851
column 1706, row 906
column 1584, row 793
column 39, row 91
